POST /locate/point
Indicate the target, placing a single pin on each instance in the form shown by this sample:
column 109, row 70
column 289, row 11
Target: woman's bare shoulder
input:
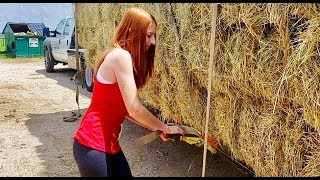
column 118, row 53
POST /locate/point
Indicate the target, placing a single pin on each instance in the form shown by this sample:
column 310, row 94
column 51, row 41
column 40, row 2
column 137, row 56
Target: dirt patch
column 34, row 141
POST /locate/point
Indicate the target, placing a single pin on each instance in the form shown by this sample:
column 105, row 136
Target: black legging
column 97, row 163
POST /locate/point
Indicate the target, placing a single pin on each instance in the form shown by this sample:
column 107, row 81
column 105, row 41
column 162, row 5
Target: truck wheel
column 88, row 78
column 47, row 61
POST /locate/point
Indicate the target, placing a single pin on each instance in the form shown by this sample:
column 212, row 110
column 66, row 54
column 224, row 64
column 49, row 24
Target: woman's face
column 151, row 39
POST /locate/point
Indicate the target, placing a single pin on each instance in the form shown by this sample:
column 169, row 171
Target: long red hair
column 131, row 35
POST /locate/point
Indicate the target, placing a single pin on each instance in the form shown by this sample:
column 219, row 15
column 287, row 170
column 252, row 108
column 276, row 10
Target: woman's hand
column 170, row 130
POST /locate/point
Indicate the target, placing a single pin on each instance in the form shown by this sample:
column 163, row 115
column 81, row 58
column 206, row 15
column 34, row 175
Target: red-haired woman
column 123, row 67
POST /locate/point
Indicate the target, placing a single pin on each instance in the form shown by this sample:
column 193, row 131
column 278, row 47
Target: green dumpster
column 28, row 46
column 24, row 39
column 2, row 43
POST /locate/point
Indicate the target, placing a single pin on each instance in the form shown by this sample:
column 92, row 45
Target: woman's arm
column 123, row 71
column 137, row 122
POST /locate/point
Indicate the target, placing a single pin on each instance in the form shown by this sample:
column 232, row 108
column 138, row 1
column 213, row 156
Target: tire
column 88, row 78
column 47, row 61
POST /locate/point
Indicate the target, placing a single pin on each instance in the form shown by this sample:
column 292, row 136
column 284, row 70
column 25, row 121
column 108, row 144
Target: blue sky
column 48, row 13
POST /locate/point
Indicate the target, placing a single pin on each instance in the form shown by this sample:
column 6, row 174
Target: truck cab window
column 69, row 27
column 60, row 26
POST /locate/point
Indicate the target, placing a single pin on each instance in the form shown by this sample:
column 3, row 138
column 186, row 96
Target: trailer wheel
column 88, row 78
column 47, row 61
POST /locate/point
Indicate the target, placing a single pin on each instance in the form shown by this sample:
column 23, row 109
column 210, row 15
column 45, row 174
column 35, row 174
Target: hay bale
column 265, row 86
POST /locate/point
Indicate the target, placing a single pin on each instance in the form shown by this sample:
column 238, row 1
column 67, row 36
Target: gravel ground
column 35, row 141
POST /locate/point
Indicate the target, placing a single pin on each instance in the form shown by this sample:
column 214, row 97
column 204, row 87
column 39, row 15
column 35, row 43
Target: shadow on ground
column 63, row 77
column 157, row 158
column 172, row 158
column 55, row 136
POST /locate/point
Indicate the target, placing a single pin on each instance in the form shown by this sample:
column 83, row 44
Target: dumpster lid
column 26, row 28
column 36, row 27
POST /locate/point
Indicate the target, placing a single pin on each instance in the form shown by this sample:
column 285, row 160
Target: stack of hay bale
column 265, row 102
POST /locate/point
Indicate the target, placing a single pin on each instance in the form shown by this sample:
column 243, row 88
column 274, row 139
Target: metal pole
column 212, row 40
column 76, row 37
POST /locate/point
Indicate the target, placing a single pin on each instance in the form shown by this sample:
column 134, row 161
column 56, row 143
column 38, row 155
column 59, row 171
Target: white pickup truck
column 59, row 47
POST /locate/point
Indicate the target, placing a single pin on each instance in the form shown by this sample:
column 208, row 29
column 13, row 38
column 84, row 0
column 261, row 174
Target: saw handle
column 175, row 137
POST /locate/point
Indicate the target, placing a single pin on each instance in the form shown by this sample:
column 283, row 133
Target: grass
column 3, row 55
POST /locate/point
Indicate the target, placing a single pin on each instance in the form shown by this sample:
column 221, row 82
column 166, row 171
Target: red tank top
column 101, row 124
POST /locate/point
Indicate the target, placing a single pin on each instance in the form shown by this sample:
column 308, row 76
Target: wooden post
column 76, row 38
column 212, row 41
